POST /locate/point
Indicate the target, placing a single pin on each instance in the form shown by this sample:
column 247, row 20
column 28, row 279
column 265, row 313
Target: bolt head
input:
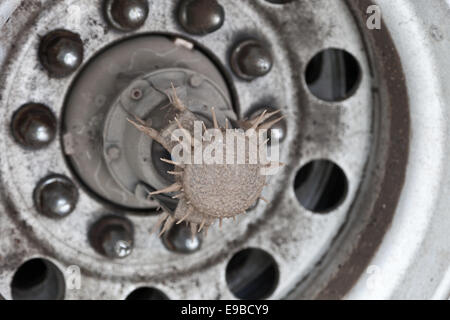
column 34, row 126
column 122, row 249
column 179, row 239
column 56, row 196
column 112, row 236
column 201, row 17
column 251, row 59
column 127, row 15
column 61, row 53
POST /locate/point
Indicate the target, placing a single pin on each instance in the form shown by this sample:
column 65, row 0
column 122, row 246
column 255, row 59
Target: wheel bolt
column 251, row 59
column 61, row 52
column 127, row 15
column 34, row 126
column 179, row 239
column 56, row 196
column 201, row 17
column 113, row 237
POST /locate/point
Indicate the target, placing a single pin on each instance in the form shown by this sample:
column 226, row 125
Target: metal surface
column 251, row 59
column 95, row 98
column 413, row 260
column 61, row 52
column 126, row 15
column 200, row 17
column 294, row 237
column 112, row 236
column 34, row 126
column 366, row 135
column 56, row 196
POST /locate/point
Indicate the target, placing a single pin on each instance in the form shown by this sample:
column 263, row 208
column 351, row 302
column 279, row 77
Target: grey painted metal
column 414, row 258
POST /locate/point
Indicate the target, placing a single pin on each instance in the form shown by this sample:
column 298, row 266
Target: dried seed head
column 211, row 192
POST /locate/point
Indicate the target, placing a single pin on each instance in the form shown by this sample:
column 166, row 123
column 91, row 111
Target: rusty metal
column 251, row 59
column 201, row 17
column 61, row 52
column 112, row 236
column 56, row 196
column 126, row 15
column 34, row 126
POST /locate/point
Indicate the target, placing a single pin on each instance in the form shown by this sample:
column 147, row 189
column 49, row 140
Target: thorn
column 160, row 221
column 265, row 200
column 202, row 225
column 175, row 173
column 265, row 142
column 216, row 124
column 154, row 134
column 178, row 196
column 205, row 232
column 266, row 117
column 271, row 114
column 167, row 225
column 220, row 223
column 193, row 230
column 258, row 120
column 185, row 131
column 173, row 188
column 142, row 122
column 186, row 216
column 176, row 101
column 171, row 162
column 270, row 124
column 179, row 123
column 234, row 218
column 226, row 124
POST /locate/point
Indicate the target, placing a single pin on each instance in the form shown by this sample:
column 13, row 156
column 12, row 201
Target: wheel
column 358, row 211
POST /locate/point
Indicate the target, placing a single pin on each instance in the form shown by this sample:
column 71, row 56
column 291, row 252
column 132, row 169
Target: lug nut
column 251, row 59
column 56, row 196
column 61, row 52
column 34, row 126
column 113, row 237
column 179, row 239
column 201, row 17
column 127, row 15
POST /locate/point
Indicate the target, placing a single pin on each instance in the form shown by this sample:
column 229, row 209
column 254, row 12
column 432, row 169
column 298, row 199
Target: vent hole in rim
column 38, row 279
column 333, row 75
column 252, row 274
column 147, row 294
column 321, row 186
